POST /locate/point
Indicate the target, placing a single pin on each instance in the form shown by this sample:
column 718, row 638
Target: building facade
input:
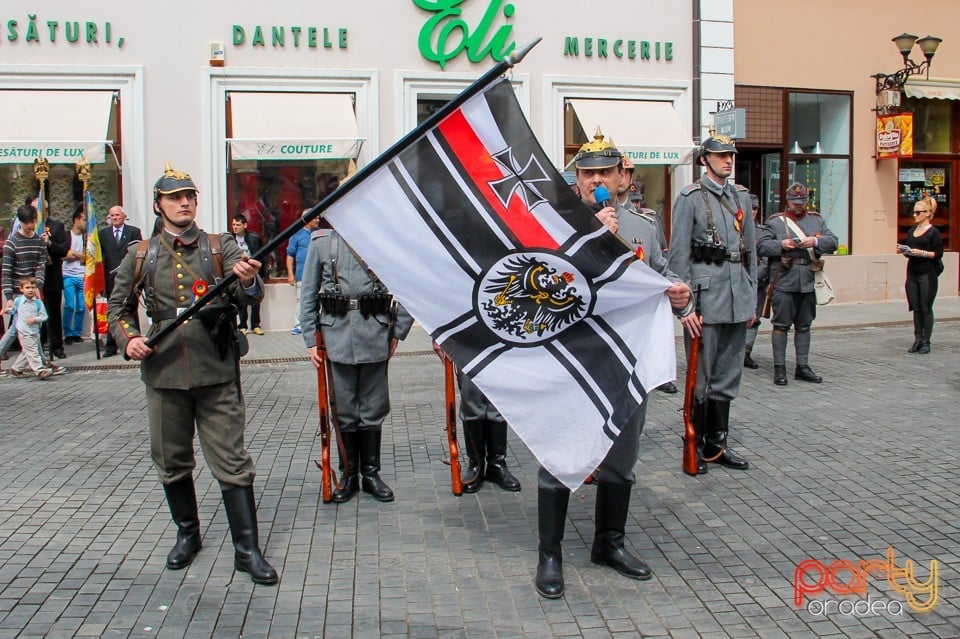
column 270, row 106
column 811, row 116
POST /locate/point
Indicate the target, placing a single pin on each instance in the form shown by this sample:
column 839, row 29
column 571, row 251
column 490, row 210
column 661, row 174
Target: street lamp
column 904, row 42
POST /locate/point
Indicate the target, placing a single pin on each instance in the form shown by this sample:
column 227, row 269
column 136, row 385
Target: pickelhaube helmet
column 717, row 143
column 797, row 193
column 173, row 181
column 597, row 154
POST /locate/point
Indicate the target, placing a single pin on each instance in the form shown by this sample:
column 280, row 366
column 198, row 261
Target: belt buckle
column 735, row 256
column 352, row 305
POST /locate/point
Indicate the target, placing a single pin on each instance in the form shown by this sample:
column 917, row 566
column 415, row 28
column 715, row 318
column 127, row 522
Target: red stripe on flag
column 481, row 168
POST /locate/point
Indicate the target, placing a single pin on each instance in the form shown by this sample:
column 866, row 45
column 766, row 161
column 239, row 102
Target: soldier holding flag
column 598, row 163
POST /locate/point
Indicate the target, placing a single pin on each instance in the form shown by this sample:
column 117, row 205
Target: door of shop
column 938, row 178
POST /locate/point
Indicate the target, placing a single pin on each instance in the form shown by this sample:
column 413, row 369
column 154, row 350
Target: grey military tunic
column 358, row 347
column 793, row 298
column 728, row 290
column 642, row 230
column 186, row 381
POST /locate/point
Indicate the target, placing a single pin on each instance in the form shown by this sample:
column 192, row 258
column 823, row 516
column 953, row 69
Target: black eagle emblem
column 531, row 297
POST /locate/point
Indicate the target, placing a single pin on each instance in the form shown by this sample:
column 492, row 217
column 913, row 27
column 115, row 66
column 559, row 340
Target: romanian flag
column 94, row 282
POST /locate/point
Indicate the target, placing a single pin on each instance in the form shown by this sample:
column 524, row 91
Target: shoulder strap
column 214, row 242
column 793, row 226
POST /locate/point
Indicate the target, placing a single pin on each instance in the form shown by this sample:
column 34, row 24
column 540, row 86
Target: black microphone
column 602, row 195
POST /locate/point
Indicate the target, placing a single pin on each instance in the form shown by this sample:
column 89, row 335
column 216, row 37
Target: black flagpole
column 324, row 204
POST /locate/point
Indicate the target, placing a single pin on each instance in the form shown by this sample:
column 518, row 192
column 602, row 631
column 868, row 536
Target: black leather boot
column 551, row 518
column 476, row 451
column 806, row 374
column 370, row 481
column 780, row 375
column 748, row 361
column 718, row 427
column 924, row 348
column 497, row 472
column 182, row 500
column 241, row 510
column 349, row 467
column 613, row 503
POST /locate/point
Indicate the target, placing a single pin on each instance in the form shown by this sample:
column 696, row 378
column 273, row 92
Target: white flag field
column 551, row 315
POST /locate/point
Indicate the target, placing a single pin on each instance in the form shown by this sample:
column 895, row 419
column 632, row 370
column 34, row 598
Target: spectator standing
column 24, row 255
column 296, row 258
column 74, row 269
column 30, row 316
column 923, row 248
column 54, row 236
column 249, row 243
column 115, row 239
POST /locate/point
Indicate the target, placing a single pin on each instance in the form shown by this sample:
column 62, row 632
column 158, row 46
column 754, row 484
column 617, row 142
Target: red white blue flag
column 550, row 314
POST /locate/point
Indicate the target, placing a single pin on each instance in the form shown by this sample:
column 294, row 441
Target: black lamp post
column 905, row 41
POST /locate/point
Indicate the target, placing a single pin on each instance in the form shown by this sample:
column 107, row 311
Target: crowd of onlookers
column 44, row 309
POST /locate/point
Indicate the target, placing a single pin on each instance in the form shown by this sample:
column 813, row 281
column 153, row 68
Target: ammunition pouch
column 706, row 253
column 334, row 303
column 373, row 303
column 220, row 320
column 786, row 262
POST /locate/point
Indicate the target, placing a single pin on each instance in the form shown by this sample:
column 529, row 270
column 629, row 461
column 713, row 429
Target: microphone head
column 602, row 195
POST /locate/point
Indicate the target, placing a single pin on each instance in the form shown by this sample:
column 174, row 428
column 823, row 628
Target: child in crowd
column 29, row 314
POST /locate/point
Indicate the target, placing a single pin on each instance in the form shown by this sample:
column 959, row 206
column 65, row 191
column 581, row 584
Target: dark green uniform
column 188, row 385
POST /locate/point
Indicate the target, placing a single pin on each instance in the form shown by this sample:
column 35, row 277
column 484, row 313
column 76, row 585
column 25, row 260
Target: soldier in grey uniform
column 712, row 248
column 640, row 227
column 485, row 434
column 762, row 281
column 597, row 162
column 191, row 385
column 791, row 264
column 360, row 324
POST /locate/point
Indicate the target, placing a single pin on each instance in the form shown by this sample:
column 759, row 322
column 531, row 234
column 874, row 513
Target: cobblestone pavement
column 842, row 471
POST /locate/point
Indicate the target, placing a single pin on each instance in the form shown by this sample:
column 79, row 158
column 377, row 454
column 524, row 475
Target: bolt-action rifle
column 689, row 398
column 456, row 482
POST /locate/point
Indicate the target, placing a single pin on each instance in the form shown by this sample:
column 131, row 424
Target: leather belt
column 802, row 261
column 165, row 314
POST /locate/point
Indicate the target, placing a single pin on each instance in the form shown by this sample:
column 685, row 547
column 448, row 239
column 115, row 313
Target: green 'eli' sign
column 445, row 35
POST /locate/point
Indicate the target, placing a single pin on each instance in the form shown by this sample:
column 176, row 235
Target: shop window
column 96, row 114
column 284, row 158
column 819, row 126
column 932, row 124
column 918, row 179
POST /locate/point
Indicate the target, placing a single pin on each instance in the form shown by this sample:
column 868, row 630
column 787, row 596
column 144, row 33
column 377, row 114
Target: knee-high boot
column 349, row 467
column 497, row 472
column 699, row 427
column 918, row 332
column 370, row 481
column 718, row 429
column 551, row 518
column 182, row 500
column 613, row 503
column 241, row 510
column 476, row 450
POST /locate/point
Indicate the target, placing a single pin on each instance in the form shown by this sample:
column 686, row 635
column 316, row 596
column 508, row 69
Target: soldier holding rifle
column 712, row 248
column 346, row 307
column 192, row 381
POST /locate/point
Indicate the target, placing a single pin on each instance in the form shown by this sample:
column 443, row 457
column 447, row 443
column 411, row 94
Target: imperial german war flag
column 550, row 314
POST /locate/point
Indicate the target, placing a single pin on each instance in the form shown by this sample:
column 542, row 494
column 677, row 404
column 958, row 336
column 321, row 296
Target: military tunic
column 794, row 302
column 727, row 290
column 187, row 383
column 642, row 230
column 358, row 347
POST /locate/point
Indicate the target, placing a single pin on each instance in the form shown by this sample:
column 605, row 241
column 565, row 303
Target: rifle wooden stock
column 456, row 482
column 689, row 398
column 323, row 428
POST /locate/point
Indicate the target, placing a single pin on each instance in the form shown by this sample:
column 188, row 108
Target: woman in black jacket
column 923, row 248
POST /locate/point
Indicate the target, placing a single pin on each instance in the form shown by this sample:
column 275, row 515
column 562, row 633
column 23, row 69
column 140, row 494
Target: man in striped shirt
column 24, row 255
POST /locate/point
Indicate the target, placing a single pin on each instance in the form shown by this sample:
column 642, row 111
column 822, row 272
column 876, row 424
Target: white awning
column 932, row 89
column 60, row 126
column 293, row 126
column 647, row 132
